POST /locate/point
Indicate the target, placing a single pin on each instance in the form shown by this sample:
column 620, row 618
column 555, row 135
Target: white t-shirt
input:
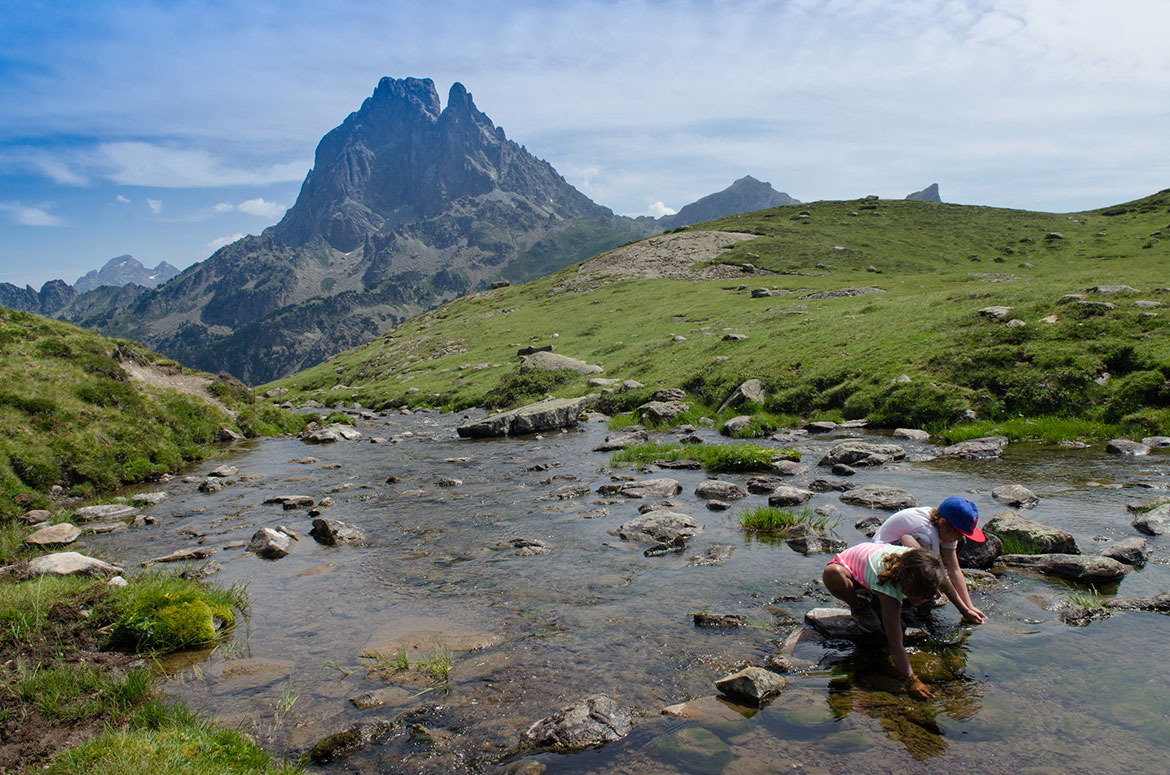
column 914, row 522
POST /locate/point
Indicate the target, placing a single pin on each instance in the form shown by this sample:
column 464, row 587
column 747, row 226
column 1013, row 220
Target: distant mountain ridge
column 123, row 270
column 928, row 194
column 408, row 205
column 744, row 195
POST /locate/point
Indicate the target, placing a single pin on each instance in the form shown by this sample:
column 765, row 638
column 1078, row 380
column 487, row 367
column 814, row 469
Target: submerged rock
column 712, row 555
column 704, row 619
column 693, row 750
column 863, row 453
column 592, row 721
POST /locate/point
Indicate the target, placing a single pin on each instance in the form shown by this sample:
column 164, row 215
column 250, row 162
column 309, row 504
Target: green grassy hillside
column 937, row 265
column 73, row 417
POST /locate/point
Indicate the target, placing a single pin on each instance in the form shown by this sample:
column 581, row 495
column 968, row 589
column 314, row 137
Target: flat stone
column 913, row 434
column 717, row 489
column 1008, row 525
column 1015, row 495
column 787, row 468
column 149, row 498
column 1131, row 551
column 1126, row 447
column 104, row 513
column 1154, row 442
column 182, row 555
column 863, row 453
column 712, row 555
column 788, row 496
column 650, row 488
column 834, row 623
column 1085, row 569
column 879, row 497
column 69, row 564
column 291, row 501
column 551, row 414
column 660, row 527
column 63, row 533
column 985, row 448
column 105, row 528
column 592, row 721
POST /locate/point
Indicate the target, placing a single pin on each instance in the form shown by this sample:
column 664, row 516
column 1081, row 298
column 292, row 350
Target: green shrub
column 525, row 386
column 918, row 404
column 338, row 417
column 1135, row 391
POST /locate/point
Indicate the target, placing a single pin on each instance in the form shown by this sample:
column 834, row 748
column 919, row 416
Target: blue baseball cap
column 962, row 515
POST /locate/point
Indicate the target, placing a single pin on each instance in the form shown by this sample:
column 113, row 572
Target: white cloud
column 148, row 164
column 155, row 205
column 223, row 207
column 658, row 209
column 261, row 208
column 32, row 216
column 218, row 243
column 123, row 199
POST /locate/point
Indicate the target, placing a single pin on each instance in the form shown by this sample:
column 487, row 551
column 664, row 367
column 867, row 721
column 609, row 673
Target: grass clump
column 69, row 693
column 526, row 386
column 717, row 458
column 1049, row 430
column 1014, row 544
column 338, row 417
column 770, row 520
column 161, row 612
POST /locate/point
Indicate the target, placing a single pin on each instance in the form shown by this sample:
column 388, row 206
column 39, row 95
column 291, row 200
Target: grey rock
column 1008, row 525
column 751, row 391
column 830, row 485
column 788, row 496
column 270, row 544
column 104, row 513
column 548, row 361
column 184, row 555
column 1154, row 442
column 224, row 472
column 1108, row 290
column 980, row 555
column 622, row 439
column 705, row 619
column 879, row 497
column 630, row 384
column 763, row 485
column 650, row 488
column 68, row 564
column 332, row 433
column 1126, row 447
column 668, row 394
column 996, row 312
column 863, row 453
column 661, row 411
column 332, row 532
column 737, row 426
column 716, row 489
column 1138, row 507
column 811, row 542
column 717, row 505
column 786, row 663
column 663, row 505
column 551, row 414
column 869, row 525
column 149, row 498
column 1154, row 522
column 290, row 502
column 592, row 721
column 1085, row 569
column 660, row 527
column 567, row 492
column 985, row 448
column 840, row 469
column 911, row 433
column 1015, row 495
column 821, row 426
column 752, row 684
column 54, row 535
column 834, row 623
column 211, row 484
column 712, row 555
column 105, row 528
column 1131, row 551
column 787, row 468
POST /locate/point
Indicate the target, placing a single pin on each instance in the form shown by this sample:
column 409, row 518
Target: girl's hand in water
column 974, row 616
column 917, row 689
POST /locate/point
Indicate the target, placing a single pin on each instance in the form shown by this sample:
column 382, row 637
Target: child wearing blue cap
column 938, row 530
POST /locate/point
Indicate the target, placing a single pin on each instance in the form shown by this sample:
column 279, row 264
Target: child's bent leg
column 840, row 583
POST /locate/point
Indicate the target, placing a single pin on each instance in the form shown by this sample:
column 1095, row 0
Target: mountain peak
column 744, row 195
column 928, row 194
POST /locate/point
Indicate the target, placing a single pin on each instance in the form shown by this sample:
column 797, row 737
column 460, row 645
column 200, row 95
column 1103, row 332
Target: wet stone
column 592, row 721
column 1154, row 522
column 1011, row 526
column 863, row 453
column 223, row 472
column 1131, row 551
column 181, row 555
column 270, row 544
column 1126, row 448
column 705, row 619
column 332, row 532
column 912, row 434
column 712, row 555
column 717, row 489
column 788, row 468
column 289, row 502
column 211, row 485
column 979, row 555
column 788, row 496
column 1015, row 495
column 830, row 485
column 104, row 513
column 660, row 527
column 663, row 505
column 752, row 684
column 879, row 497
column 105, row 528
column 1075, row 567
column 985, row 448
column 763, row 485
column 694, row 750
column 869, row 525
column 650, row 488
column 718, row 505
column 840, row 469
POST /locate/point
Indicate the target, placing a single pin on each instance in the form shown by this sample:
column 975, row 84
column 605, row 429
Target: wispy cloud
column 122, row 199
column 155, row 205
column 219, row 242
column 31, row 216
column 259, row 207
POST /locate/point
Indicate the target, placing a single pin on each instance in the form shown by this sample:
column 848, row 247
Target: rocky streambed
column 490, row 589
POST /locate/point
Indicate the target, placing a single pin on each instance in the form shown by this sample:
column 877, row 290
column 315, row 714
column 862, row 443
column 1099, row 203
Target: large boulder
column 1126, row 447
column 106, row 513
column 751, row 391
column 547, row 415
column 626, row 437
column 717, row 489
column 270, row 544
column 980, row 555
column 985, row 448
column 1085, row 569
column 650, row 488
column 592, row 721
column 1131, row 551
column 331, row 434
column 863, row 453
column 661, row 411
column 660, row 527
column 874, row 496
column 548, row 361
column 1012, row 528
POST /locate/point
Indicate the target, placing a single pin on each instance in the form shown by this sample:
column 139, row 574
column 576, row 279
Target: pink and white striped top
column 864, row 563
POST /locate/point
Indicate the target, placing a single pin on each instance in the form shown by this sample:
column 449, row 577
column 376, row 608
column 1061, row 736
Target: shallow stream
column 527, row 635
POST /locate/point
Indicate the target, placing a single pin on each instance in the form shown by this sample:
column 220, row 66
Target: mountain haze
column 124, row 270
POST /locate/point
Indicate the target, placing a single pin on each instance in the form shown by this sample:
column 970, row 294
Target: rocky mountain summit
column 124, row 270
column 409, row 204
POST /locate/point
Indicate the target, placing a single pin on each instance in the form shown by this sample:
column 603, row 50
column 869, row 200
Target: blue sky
column 164, row 129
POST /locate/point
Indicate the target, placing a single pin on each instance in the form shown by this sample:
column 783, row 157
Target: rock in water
column 1011, row 527
column 270, row 544
column 863, row 453
column 547, row 415
column 752, row 684
column 660, row 527
column 985, row 448
column 592, row 721
column 1154, row 522
column 332, row 532
column 878, row 497
column 1075, row 567
column 1015, row 495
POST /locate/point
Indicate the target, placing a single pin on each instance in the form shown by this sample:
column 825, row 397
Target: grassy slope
column 839, row 355
column 72, row 418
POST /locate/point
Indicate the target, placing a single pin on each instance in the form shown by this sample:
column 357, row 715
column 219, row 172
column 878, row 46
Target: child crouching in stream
column 893, row 573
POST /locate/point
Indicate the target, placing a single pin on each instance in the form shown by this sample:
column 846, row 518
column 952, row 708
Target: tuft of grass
column 25, row 606
column 68, row 693
column 338, row 417
column 714, row 457
column 1086, row 597
column 1017, row 545
column 1048, row 430
column 379, row 662
column 769, row 519
column 164, row 612
column 171, row 739
column 437, row 663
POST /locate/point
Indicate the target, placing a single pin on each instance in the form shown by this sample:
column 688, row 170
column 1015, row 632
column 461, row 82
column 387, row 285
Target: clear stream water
column 1023, row 694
